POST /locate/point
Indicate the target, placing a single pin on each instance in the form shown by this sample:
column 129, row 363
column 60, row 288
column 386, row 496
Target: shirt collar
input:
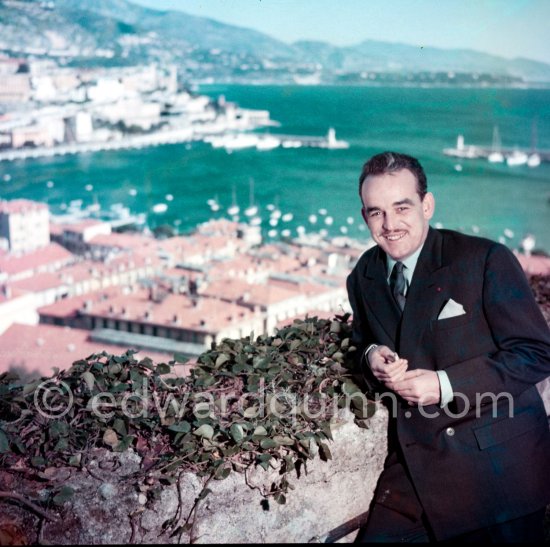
column 409, row 263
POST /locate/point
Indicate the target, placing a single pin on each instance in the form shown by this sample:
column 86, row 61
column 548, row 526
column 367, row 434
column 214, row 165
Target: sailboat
column 276, row 213
column 534, row 158
column 517, row 157
column 233, row 209
column 496, row 155
column 252, row 209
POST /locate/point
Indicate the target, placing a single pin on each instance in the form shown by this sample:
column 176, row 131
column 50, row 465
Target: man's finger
column 415, row 373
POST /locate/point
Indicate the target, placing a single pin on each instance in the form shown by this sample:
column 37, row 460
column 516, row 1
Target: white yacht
column 533, row 160
column 233, row 209
column 269, row 142
column 496, row 156
column 252, row 209
column 160, row 208
column 517, row 157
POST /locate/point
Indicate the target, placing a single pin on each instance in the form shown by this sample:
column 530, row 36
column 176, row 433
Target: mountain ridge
column 127, row 33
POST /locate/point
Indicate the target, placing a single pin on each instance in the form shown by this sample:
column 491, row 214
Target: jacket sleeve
column 519, row 332
column 362, row 336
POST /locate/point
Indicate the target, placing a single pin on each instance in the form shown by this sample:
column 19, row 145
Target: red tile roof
column 43, row 258
column 205, row 314
column 20, row 206
column 250, row 293
column 38, row 282
column 35, row 349
column 124, row 241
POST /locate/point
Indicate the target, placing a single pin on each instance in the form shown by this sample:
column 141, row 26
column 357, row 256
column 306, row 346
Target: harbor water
column 173, row 183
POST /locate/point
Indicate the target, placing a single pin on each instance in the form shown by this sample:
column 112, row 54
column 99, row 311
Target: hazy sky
column 510, row 28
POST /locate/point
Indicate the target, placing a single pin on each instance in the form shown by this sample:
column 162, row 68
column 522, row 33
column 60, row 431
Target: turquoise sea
column 480, row 198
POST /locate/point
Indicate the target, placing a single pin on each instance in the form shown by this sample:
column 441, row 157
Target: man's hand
column 419, row 386
column 386, row 365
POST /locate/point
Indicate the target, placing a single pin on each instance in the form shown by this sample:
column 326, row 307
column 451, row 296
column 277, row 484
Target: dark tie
column 398, row 284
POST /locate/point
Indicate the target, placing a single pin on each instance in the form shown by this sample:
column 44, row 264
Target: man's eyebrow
column 406, row 201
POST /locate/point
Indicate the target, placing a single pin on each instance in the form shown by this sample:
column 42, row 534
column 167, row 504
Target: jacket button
column 450, row 431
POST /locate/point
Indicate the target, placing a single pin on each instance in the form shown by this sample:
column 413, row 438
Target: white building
column 24, row 224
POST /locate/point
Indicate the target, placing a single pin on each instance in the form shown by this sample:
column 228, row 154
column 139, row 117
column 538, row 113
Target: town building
column 24, row 225
column 35, row 351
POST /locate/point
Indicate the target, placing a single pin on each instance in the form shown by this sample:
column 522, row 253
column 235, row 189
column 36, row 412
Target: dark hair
column 389, row 162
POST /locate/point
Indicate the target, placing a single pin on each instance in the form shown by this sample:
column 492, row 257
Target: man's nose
column 390, row 222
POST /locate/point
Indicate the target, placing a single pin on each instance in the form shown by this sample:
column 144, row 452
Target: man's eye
column 374, row 214
column 401, row 209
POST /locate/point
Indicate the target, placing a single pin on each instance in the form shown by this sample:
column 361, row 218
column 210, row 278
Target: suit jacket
column 481, row 461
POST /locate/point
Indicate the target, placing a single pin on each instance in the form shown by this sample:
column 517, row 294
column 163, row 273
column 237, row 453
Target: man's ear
column 428, row 206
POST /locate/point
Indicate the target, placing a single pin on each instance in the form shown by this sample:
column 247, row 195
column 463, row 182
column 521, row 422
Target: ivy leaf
column 283, row 441
column 280, row 498
column 38, row 461
column 180, row 358
column 326, row 430
column 362, row 423
column 205, row 431
column 125, row 443
column 268, row 443
column 58, row 429
column 74, row 461
column 349, row 388
column 120, row 427
column 324, row 452
column 260, row 431
column 163, row 368
column 61, row 445
column 363, row 409
column 89, row 378
column 65, row 494
column 222, row 358
column 237, row 432
column 30, row 388
column 251, row 412
column 204, row 493
column 180, row 427
column 222, row 473
column 295, row 344
column 114, row 368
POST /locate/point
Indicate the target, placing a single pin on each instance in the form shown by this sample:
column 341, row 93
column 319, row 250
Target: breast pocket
column 452, row 322
column 459, row 338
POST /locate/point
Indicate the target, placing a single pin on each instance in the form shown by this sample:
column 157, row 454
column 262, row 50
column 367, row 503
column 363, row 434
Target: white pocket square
column 451, row 309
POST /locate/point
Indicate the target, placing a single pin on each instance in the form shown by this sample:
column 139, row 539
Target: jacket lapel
column 378, row 299
column 425, row 295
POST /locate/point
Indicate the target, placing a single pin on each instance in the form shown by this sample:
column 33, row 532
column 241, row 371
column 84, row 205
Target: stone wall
column 110, row 506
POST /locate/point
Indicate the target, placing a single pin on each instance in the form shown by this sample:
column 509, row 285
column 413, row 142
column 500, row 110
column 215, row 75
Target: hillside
column 108, row 32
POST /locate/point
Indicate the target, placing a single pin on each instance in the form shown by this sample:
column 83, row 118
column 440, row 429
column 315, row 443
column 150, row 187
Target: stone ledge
column 107, row 507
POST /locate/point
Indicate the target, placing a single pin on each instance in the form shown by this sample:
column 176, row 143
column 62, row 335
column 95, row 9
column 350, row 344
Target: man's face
column 396, row 216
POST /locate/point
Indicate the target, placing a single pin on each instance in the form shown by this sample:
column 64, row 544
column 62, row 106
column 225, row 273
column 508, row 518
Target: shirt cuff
column 445, row 387
column 365, row 355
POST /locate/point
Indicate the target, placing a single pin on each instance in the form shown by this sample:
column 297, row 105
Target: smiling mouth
column 394, row 237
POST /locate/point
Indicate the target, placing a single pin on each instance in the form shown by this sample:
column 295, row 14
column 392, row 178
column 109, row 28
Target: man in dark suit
column 447, row 327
